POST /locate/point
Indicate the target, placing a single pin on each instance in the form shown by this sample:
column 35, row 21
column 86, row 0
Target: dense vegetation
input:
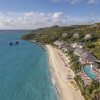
column 44, row 35
column 75, row 66
column 94, row 47
column 90, row 92
column 55, row 32
column 50, row 34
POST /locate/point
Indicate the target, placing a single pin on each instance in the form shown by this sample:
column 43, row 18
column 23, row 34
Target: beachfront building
column 85, row 57
column 58, row 43
column 77, row 45
column 67, row 48
column 78, row 51
column 74, row 45
column 89, row 66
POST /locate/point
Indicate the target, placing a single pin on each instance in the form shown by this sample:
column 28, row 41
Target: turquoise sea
column 24, row 70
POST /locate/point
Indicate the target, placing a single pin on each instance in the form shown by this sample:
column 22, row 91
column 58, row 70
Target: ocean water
column 24, row 70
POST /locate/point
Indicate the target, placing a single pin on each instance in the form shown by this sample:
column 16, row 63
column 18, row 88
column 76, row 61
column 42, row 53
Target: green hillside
column 50, row 34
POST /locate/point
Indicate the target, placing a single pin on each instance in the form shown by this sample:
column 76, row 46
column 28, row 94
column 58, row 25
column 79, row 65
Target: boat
column 10, row 43
column 17, row 42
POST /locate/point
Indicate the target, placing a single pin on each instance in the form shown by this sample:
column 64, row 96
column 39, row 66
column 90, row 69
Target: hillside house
column 88, row 36
column 64, row 35
column 76, row 35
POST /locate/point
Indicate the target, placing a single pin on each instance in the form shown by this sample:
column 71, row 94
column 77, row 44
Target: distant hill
column 50, row 34
column 89, row 34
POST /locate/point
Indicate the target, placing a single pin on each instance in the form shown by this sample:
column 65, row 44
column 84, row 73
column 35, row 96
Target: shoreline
column 52, row 75
column 58, row 70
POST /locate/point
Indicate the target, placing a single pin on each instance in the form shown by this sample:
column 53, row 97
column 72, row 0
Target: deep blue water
column 24, row 70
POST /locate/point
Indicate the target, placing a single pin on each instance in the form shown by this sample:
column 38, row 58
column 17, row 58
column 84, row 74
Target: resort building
column 85, row 57
column 58, row 43
column 77, row 45
column 67, row 48
column 78, row 51
column 85, row 78
column 76, row 35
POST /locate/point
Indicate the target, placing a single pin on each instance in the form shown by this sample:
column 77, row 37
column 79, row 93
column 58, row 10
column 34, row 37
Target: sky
column 33, row 14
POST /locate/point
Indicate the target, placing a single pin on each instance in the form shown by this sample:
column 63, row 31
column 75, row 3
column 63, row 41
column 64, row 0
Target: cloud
column 92, row 1
column 68, row 1
column 76, row 1
column 56, row 1
column 73, row 1
column 34, row 20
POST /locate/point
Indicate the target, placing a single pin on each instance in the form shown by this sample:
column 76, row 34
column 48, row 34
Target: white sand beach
column 67, row 88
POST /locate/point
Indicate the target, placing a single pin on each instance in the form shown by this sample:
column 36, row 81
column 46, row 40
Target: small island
column 74, row 54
